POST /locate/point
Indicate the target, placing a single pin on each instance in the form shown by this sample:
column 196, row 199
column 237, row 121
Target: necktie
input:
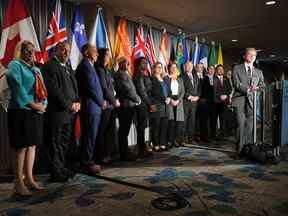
column 191, row 78
column 249, row 72
column 221, row 80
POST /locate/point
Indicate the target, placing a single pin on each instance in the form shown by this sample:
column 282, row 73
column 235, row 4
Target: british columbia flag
column 56, row 31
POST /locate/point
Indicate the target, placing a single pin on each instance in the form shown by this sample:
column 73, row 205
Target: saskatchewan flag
column 212, row 56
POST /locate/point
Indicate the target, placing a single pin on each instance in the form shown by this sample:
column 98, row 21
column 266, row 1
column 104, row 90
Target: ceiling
column 251, row 22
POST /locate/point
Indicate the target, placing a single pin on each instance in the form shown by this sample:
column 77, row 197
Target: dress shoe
column 92, row 169
column 34, row 186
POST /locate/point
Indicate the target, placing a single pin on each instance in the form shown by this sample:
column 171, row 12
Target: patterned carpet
column 210, row 182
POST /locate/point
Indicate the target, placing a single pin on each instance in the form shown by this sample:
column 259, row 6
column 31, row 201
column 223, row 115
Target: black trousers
column 207, row 117
column 142, row 123
column 175, row 129
column 59, row 138
column 159, row 130
column 244, row 134
column 104, row 140
column 190, row 110
column 219, row 113
column 125, row 115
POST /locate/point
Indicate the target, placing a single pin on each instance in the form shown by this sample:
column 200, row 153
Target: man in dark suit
column 63, row 102
column 222, row 90
column 129, row 99
column 246, row 79
column 92, row 101
column 207, row 106
column 192, row 94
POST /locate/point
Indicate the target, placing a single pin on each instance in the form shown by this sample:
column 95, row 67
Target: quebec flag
column 99, row 36
column 79, row 37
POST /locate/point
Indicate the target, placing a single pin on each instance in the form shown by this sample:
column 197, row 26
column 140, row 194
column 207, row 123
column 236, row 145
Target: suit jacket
column 62, row 90
column 143, row 86
column 108, row 85
column 90, row 89
column 207, row 91
column 191, row 89
column 221, row 89
column 181, row 92
column 126, row 90
column 241, row 84
column 158, row 97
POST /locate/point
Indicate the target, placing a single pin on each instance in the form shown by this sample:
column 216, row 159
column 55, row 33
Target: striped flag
column 79, row 37
column 150, row 50
column 17, row 26
column 56, row 31
column 139, row 49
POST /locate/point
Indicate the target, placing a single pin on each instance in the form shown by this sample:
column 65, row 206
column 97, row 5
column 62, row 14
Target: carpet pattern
column 211, row 182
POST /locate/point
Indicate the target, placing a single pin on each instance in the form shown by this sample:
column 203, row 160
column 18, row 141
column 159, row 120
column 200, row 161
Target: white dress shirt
column 174, row 87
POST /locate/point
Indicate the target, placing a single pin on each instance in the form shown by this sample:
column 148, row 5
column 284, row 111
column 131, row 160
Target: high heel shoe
column 156, row 148
column 21, row 190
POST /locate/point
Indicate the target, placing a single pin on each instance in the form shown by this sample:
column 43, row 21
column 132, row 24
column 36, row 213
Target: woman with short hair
column 25, row 122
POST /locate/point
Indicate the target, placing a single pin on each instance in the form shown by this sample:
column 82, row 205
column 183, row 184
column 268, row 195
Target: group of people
column 176, row 108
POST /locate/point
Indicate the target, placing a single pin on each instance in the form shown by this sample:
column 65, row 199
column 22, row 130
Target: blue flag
column 99, row 36
column 203, row 57
column 79, row 37
column 195, row 52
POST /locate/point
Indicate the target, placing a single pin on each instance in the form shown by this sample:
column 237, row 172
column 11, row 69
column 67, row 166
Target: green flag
column 212, row 56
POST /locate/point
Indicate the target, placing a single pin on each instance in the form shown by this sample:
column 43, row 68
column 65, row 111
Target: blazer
column 207, row 91
column 21, row 81
column 90, row 89
column 126, row 90
column 62, row 90
column 191, row 89
column 108, row 85
column 181, row 92
column 143, row 86
column 159, row 93
column 241, row 84
column 221, row 89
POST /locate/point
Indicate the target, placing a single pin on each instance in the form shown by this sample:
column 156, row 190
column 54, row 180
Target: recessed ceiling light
column 234, row 40
column 272, row 56
column 258, row 50
column 285, row 60
column 270, row 2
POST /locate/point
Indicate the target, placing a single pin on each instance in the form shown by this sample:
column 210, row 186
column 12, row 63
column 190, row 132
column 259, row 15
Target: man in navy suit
column 93, row 103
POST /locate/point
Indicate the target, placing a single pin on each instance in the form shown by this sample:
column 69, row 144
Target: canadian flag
column 17, row 26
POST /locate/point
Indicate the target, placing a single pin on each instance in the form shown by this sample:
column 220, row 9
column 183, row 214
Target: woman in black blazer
column 104, row 140
column 159, row 119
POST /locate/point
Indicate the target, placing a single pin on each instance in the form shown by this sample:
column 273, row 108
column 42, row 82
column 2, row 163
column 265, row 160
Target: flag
column 220, row 56
column 196, row 52
column 139, row 49
column 122, row 45
column 17, row 26
column 172, row 53
column 203, row 57
column 79, row 37
column 150, row 50
column 99, row 36
column 181, row 52
column 212, row 56
column 56, row 31
column 163, row 49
